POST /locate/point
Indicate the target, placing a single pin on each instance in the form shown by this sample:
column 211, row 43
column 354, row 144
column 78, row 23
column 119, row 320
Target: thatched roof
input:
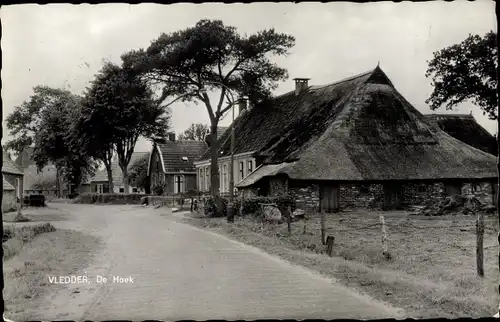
column 179, row 156
column 356, row 129
column 465, row 128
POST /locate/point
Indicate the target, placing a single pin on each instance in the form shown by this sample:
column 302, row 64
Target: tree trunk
column 214, row 166
column 110, row 179
column 125, row 180
column 214, row 169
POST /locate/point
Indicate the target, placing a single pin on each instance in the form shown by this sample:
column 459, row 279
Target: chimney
column 301, row 84
column 242, row 106
column 171, row 136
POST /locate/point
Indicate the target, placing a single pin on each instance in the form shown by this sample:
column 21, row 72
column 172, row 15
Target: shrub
column 109, row 198
column 158, row 190
column 250, row 205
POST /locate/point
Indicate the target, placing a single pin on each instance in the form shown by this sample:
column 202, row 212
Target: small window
column 207, row 178
column 422, row 189
column 184, row 159
column 134, row 190
column 249, row 166
column 242, row 170
column 476, row 188
column 364, row 189
column 122, row 190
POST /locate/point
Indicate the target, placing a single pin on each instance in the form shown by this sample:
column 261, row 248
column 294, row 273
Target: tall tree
column 195, row 132
column 120, row 107
column 139, row 173
column 211, row 56
column 47, row 121
column 466, row 71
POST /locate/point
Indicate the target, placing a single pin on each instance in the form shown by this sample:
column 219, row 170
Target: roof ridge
column 344, row 79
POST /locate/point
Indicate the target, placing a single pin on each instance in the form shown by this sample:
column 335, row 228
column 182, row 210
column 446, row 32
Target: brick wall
column 360, row 195
column 418, row 193
column 483, row 191
column 306, row 196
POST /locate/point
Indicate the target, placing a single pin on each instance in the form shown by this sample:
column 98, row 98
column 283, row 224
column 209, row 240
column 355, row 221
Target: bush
column 250, row 205
column 158, row 190
column 109, row 198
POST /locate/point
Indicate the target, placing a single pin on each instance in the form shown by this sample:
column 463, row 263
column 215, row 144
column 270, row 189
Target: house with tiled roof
column 465, row 128
column 352, row 143
column 171, row 165
column 12, row 178
column 99, row 182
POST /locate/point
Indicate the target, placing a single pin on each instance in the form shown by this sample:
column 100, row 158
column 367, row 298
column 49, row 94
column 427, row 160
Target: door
column 329, row 200
column 393, row 196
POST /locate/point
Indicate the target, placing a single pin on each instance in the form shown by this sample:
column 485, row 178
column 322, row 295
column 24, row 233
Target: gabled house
column 99, row 182
column 39, row 182
column 12, row 178
column 353, row 143
column 465, row 128
column 171, row 165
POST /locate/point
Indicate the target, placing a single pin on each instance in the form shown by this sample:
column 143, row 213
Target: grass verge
column 56, row 253
column 432, row 272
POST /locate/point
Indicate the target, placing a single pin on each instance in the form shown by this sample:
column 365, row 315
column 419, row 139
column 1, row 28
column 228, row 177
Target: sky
column 63, row 45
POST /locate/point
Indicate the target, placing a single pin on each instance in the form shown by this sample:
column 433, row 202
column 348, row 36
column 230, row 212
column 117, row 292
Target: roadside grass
column 432, row 272
column 57, row 253
column 37, row 214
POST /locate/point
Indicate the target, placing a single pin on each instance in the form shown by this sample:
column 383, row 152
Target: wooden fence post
column 384, row 237
column 289, row 220
column 323, row 227
column 479, row 243
column 329, row 245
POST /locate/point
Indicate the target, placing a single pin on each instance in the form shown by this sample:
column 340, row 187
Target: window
column 476, row 188
column 202, row 177
column 220, row 179
column 422, row 189
column 184, row 159
column 364, row 189
column 122, row 190
column 242, row 173
column 224, row 175
column 134, row 190
column 249, row 166
column 207, row 178
column 178, row 184
column 99, row 188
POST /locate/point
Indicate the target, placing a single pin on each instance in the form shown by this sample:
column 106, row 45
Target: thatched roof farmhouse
column 465, row 128
column 352, row 143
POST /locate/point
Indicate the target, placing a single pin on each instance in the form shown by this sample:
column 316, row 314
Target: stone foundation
column 306, row 196
column 416, row 194
column 360, row 195
column 353, row 196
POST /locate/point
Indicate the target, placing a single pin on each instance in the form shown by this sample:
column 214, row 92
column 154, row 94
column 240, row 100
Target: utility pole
column 230, row 204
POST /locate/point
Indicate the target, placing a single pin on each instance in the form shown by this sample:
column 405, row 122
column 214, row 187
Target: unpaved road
column 182, row 272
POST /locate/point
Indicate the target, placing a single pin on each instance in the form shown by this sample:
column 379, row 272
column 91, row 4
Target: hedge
column 109, row 198
column 250, row 205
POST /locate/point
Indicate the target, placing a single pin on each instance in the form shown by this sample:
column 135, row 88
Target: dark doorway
column 393, row 196
column 329, row 198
